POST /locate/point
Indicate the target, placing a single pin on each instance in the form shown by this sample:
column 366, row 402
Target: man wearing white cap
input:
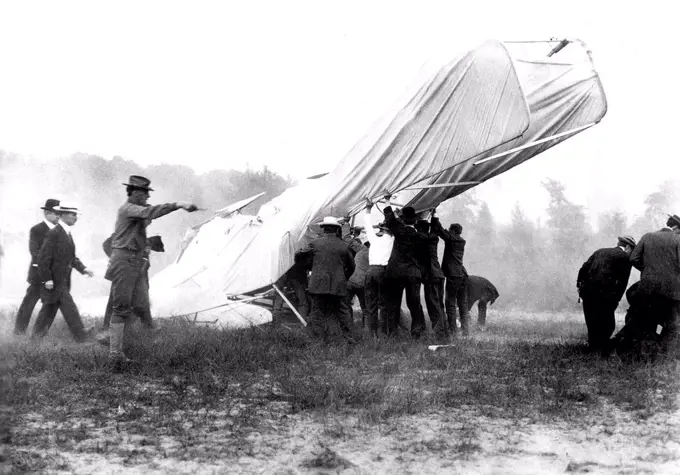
column 601, row 282
column 56, row 259
column 332, row 266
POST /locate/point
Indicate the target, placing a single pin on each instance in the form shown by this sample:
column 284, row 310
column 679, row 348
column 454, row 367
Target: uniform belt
column 128, row 252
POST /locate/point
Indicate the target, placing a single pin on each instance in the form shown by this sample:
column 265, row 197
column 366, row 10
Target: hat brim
column 47, row 209
column 327, row 225
column 139, row 187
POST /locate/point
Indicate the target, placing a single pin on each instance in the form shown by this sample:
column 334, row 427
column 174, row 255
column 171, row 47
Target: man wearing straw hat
column 36, row 238
column 129, row 260
column 601, row 282
column 56, row 259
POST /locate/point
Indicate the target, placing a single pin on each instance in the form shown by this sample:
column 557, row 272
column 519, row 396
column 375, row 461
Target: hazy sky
column 294, row 84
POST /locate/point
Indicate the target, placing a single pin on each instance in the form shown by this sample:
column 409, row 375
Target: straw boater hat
column 330, row 221
column 627, row 239
column 140, row 182
column 50, row 203
column 66, row 207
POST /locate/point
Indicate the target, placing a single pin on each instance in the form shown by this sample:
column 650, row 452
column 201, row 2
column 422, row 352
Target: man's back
column 332, row 265
column 605, row 273
column 657, row 256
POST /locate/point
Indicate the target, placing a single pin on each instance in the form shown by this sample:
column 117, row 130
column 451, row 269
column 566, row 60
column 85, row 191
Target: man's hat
column 140, row 182
column 627, row 239
column 65, row 207
column 673, row 220
column 330, row 221
column 408, row 215
column 50, row 204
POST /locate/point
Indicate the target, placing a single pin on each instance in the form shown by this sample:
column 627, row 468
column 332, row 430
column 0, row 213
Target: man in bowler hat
column 129, row 261
column 36, row 238
column 601, row 282
column 56, row 259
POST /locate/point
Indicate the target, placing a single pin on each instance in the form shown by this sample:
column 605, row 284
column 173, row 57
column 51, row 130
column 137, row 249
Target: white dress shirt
column 381, row 246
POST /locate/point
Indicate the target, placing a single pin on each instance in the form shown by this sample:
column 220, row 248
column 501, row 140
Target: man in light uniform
column 128, row 261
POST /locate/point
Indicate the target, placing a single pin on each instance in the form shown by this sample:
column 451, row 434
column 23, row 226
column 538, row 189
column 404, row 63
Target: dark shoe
column 120, row 363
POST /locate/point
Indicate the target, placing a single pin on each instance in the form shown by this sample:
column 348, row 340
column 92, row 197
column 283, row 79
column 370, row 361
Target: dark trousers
column 26, row 308
column 644, row 315
column 300, row 294
column 600, row 320
column 68, row 309
column 326, row 311
column 394, row 288
column 456, row 296
column 129, row 284
column 360, row 293
column 481, row 309
column 434, row 301
column 374, row 297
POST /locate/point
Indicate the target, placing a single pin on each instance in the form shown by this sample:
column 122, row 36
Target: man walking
column 56, row 259
column 35, row 242
column 332, row 265
column 128, row 262
column 657, row 256
column 455, row 273
column 601, row 282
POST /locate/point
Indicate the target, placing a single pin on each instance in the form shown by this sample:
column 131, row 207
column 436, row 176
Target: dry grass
column 201, row 394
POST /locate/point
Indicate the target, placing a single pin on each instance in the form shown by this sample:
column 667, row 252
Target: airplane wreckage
column 468, row 119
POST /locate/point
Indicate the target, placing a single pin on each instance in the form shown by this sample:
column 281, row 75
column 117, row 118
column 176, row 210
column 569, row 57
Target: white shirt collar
column 66, row 227
column 49, row 225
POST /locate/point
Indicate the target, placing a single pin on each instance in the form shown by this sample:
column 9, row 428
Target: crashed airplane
column 467, row 119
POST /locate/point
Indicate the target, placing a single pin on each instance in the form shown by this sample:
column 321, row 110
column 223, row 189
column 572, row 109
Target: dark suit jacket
column 409, row 245
column 454, row 250
column 431, row 268
column 332, row 266
column 478, row 287
column 36, row 238
column 56, row 259
column 657, row 256
column 605, row 274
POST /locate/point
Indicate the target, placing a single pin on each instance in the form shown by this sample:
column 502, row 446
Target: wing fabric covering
column 458, row 111
column 564, row 93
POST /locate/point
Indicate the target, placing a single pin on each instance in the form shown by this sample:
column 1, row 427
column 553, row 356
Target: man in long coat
column 601, row 282
column 404, row 269
column 332, row 266
column 36, row 238
column 56, row 259
column 455, row 273
column 129, row 262
column 657, row 256
column 433, row 281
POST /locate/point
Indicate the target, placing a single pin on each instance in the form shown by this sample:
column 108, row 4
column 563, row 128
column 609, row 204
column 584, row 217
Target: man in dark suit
column 433, row 280
column 455, row 273
column 657, row 256
column 35, row 242
column 479, row 288
column 332, row 266
column 404, row 271
column 56, row 259
column 601, row 282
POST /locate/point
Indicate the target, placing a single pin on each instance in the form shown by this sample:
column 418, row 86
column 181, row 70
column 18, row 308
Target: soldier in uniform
column 128, row 262
column 332, row 266
column 35, row 242
column 56, row 259
column 601, row 282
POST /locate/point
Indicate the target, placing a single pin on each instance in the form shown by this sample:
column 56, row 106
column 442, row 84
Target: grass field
column 522, row 397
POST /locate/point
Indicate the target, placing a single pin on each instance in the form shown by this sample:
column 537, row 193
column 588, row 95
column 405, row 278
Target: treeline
column 534, row 264
column 95, row 184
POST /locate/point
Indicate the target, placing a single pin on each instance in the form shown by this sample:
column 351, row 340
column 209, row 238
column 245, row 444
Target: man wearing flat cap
column 657, row 257
column 601, row 282
column 56, row 259
column 404, row 269
column 332, row 266
column 129, row 260
column 36, row 238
